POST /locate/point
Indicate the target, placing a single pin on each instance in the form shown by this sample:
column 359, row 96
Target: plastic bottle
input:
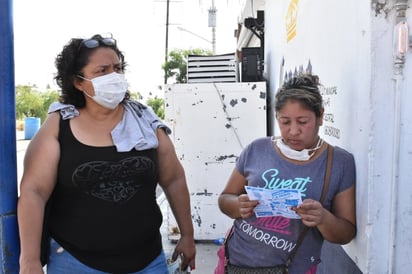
column 219, row 241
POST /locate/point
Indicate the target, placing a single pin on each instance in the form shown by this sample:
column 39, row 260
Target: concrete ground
column 206, row 258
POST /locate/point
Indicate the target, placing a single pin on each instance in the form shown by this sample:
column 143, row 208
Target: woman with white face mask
column 88, row 192
column 297, row 161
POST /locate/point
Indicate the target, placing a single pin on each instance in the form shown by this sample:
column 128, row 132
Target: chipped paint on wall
column 211, row 125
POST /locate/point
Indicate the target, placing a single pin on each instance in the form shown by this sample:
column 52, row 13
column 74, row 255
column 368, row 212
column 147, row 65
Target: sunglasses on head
column 95, row 42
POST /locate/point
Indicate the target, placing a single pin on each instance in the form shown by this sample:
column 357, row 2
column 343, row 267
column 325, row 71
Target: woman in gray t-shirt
column 297, row 160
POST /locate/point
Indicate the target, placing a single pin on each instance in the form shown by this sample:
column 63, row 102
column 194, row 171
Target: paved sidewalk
column 206, row 258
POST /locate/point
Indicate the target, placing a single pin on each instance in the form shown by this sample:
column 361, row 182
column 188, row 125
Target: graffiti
column 326, row 102
column 328, row 117
column 328, row 91
column 328, row 94
column 332, row 131
column 297, row 71
column 291, row 19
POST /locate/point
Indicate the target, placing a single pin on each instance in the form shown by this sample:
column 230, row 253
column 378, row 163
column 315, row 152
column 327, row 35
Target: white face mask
column 109, row 89
column 302, row 155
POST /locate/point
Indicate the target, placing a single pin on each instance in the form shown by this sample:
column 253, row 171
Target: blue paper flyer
column 275, row 202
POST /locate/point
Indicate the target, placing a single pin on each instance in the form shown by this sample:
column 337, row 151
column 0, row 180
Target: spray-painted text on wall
column 330, row 128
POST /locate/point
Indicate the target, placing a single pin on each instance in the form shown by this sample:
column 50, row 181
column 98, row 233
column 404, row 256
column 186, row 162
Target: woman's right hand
column 246, row 206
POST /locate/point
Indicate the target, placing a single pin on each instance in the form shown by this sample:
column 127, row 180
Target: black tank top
column 104, row 209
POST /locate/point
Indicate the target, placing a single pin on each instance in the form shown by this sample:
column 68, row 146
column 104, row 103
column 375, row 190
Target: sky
column 43, row 27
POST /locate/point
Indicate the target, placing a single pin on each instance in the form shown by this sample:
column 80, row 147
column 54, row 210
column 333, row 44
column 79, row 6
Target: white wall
column 349, row 44
column 210, row 125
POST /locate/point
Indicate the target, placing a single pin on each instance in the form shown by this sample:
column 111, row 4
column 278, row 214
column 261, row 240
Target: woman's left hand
column 311, row 212
column 187, row 249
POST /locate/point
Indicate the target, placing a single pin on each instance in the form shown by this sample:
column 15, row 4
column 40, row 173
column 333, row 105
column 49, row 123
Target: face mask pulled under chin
column 302, row 155
column 109, row 89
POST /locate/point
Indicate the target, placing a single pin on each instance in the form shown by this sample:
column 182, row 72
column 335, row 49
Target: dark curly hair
column 70, row 62
column 303, row 88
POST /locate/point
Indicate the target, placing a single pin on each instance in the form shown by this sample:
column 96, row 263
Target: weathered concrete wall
column 350, row 45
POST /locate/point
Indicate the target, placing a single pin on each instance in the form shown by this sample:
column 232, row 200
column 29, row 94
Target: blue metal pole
column 9, row 239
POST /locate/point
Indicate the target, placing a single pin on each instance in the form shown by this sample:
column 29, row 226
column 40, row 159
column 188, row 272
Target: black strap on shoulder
column 322, row 198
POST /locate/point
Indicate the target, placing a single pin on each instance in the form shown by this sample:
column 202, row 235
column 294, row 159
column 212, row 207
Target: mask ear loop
column 318, row 146
column 84, row 92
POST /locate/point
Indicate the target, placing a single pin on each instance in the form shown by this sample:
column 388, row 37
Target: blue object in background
column 219, row 241
column 31, row 126
column 9, row 238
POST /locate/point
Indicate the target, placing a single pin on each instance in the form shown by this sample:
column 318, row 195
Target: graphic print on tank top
column 113, row 181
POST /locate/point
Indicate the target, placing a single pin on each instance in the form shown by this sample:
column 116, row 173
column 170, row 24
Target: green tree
column 176, row 66
column 48, row 97
column 158, row 106
column 135, row 95
column 30, row 102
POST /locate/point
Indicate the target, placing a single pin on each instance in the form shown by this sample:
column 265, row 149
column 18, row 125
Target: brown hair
column 303, row 88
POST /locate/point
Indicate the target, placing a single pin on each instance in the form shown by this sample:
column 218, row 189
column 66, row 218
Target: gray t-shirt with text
column 268, row 241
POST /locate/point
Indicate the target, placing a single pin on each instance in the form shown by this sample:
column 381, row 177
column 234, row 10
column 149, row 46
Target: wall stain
column 196, row 216
column 233, row 102
column 224, row 157
column 197, row 103
column 204, row 193
column 380, row 7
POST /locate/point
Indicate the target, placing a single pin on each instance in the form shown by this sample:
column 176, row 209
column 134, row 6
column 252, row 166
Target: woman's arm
column 38, row 180
column 233, row 201
column 340, row 225
column 337, row 226
column 173, row 181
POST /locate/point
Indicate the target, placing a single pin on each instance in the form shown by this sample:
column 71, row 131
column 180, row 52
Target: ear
column 77, row 83
column 320, row 122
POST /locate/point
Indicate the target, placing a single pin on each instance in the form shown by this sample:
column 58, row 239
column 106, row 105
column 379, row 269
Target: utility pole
column 167, row 39
column 9, row 239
